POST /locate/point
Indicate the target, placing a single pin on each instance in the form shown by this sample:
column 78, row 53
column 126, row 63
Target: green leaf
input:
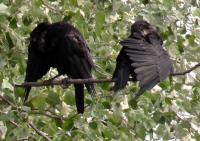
column 168, row 3
column 4, row 9
column 21, row 132
column 140, row 130
column 69, row 99
column 181, row 131
column 196, row 12
column 68, row 124
column 53, row 99
column 19, row 92
column 99, row 21
column 26, row 109
column 3, row 130
column 180, row 44
column 6, row 84
column 39, row 102
column 93, row 125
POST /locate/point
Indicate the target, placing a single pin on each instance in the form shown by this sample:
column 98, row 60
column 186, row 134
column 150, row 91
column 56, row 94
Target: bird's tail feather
column 26, row 92
column 139, row 93
column 121, row 77
column 91, row 89
column 79, row 97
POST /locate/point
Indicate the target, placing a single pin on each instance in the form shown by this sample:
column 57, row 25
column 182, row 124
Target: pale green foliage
column 172, row 112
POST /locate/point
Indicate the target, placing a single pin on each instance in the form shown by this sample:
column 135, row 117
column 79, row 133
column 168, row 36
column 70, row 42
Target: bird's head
column 37, row 37
column 143, row 28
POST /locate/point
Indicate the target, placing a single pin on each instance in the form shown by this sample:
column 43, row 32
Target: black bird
column 61, row 46
column 143, row 57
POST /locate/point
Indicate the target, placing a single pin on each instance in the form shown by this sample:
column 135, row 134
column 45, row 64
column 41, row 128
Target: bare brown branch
column 56, row 117
column 187, row 71
column 14, row 123
column 42, row 134
column 64, row 82
column 7, row 101
column 67, row 81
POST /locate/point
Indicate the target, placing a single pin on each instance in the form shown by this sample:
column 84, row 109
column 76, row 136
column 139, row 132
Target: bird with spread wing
column 143, row 57
column 61, row 46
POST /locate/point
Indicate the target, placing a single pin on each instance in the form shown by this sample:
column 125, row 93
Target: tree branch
column 56, row 117
column 7, row 101
column 64, row 81
column 187, row 71
column 42, row 134
column 14, row 123
column 50, row 7
column 67, row 81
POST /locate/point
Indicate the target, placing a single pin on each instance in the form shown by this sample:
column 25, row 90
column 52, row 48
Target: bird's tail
column 120, row 77
column 26, row 93
column 79, row 97
column 91, row 89
column 139, row 93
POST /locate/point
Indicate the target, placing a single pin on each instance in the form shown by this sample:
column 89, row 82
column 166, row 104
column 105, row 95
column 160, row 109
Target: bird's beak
column 152, row 27
column 145, row 32
column 149, row 30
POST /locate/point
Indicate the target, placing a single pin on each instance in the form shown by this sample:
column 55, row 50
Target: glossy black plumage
column 61, row 46
column 143, row 57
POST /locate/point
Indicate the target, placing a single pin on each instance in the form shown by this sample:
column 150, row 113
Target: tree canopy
column 169, row 111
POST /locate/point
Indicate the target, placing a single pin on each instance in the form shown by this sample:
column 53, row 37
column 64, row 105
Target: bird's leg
column 50, row 80
column 64, row 83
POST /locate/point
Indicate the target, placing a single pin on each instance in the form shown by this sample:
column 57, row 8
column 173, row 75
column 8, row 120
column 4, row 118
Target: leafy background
column 170, row 111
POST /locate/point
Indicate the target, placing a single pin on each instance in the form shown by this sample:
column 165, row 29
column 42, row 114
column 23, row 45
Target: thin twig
column 187, row 71
column 50, row 116
column 51, row 8
column 14, row 123
column 42, row 134
column 7, row 101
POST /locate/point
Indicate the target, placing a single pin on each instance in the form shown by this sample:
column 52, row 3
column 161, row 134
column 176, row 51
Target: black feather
column 79, row 97
column 146, row 59
column 61, row 46
column 122, row 71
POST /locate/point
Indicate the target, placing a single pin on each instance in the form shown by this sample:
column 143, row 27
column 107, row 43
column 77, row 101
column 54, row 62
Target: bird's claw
column 48, row 83
column 65, row 84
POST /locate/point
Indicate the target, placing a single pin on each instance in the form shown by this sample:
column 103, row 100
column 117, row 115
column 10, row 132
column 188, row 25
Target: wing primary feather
column 148, row 80
column 36, row 68
column 141, row 57
column 145, row 69
column 136, row 52
column 149, row 63
column 130, row 41
column 144, row 88
column 142, row 76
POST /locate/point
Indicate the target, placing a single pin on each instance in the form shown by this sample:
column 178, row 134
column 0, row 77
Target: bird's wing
column 122, row 71
column 36, row 68
column 82, row 59
column 80, row 46
column 151, row 62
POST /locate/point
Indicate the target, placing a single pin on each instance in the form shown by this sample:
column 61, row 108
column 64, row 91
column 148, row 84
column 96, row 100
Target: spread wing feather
column 36, row 68
column 142, row 76
column 136, row 52
column 151, row 63
column 82, row 59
